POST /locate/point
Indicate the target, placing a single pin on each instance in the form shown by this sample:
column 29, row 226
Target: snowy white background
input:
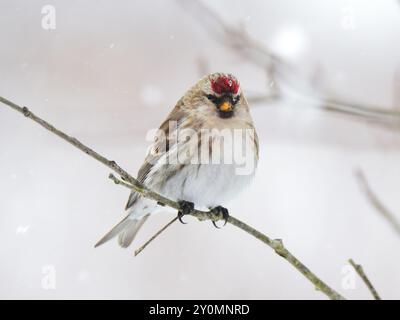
column 112, row 70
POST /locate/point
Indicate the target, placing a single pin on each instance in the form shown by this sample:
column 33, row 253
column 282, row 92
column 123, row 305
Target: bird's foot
column 185, row 208
column 220, row 213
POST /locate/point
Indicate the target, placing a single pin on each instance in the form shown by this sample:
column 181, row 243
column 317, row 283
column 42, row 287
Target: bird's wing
column 163, row 142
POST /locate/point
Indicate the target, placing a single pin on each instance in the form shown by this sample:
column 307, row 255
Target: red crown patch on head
column 225, row 84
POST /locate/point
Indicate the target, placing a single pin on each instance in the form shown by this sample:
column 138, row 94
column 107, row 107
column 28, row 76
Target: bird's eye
column 236, row 99
column 212, row 98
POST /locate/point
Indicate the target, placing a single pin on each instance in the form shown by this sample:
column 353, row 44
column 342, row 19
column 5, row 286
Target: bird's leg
column 185, row 208
column 219, row 212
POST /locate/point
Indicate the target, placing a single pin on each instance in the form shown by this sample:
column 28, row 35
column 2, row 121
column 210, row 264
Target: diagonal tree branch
column 276, row 245
column 359, row 269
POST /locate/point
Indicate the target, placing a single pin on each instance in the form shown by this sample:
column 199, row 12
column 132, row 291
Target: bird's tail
column 126, row 230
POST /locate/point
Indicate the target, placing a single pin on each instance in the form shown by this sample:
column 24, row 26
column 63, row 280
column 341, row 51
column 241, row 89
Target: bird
column 202, row 155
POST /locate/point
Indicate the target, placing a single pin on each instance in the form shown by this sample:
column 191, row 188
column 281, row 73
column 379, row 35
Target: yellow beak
column 225, row 106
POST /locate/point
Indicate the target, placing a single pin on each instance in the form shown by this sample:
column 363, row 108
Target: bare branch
column 359, row 269
column 119, row 181
column 276, row 245
column 140, row 249
column 376, row 202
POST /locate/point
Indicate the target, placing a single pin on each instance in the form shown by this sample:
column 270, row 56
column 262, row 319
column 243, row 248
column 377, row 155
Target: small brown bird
column 203, row 154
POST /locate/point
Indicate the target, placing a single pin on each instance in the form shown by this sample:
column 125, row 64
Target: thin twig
column 119, row 181
column 277, row 245
column 359, row 269
column 376, row 202
column 140, row 249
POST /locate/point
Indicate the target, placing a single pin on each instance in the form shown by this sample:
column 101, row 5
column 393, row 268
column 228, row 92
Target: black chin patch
column 225, row 114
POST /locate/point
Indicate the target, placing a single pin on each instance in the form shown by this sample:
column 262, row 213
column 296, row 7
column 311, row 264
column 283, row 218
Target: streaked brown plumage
column 215, row 105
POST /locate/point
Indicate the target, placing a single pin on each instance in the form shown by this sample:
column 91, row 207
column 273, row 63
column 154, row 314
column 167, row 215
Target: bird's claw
column 185, row 208
column 220, row 211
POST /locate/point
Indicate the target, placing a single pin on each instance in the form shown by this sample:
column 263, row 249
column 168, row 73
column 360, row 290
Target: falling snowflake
column 22, row 229
column 290, row 42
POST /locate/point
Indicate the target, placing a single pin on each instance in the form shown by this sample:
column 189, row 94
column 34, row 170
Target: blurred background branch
column 280, row 72
column 376, row 202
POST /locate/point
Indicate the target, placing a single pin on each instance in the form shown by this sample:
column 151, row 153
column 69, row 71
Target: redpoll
column 203, row 154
